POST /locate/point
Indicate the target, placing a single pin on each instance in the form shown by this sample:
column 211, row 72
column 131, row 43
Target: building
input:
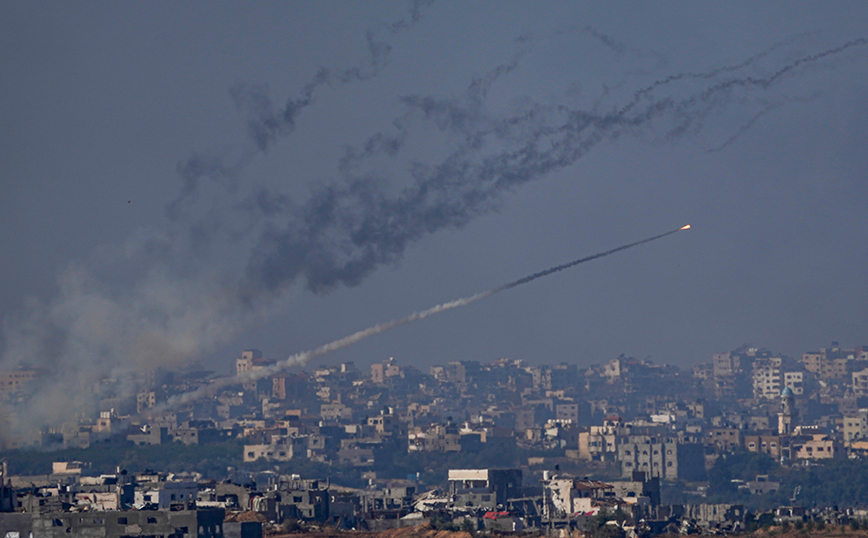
column 252, row 361
column 723, row 439
column 665, row 459
column 281, row 448
column 855, row 427
column 860, row 382
column 484, row 487
column 189, row 523
column 761, row 485
column 565, row 497
column 764, row 444
column 633, row 491
column 831, row 363
column 771, row 374
column 437, row 438
column 387, row 369
column 820, row 447
column 795, row 381
column 568, row 412
column 163, row 495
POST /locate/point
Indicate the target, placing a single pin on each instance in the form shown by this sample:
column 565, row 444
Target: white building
column 164, row 494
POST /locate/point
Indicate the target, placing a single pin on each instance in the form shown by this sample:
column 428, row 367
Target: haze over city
column 181, row 182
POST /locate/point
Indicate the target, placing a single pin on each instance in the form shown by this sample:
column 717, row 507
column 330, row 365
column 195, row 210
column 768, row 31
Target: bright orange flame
column 685, row 227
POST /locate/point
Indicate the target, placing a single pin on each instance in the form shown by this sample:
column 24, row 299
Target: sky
column 183, row 181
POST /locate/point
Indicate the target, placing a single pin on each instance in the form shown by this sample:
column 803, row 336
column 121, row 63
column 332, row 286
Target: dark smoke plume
column 268, row 124
column 348, row 229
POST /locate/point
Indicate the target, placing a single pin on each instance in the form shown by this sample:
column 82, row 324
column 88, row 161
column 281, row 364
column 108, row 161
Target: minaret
column 789, row 416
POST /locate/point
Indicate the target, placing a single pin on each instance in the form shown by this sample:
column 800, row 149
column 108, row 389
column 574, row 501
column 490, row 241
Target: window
column 152, row 520
column 122, row 521
column 296, row 499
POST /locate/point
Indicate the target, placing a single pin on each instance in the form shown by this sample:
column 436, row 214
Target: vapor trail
column 302, row 358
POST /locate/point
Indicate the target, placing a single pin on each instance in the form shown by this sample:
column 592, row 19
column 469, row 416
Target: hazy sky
column 160, row 201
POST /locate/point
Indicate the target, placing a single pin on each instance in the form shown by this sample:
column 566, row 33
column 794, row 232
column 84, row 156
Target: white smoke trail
column 302, row 358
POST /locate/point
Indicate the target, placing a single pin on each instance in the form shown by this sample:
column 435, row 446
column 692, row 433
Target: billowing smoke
column 158, row 299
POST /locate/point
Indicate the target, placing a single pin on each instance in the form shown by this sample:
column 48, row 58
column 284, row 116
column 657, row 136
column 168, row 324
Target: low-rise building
column 484, row 487
column 764, row 444
column 438, row 438
column 163, row 495
column 722, row 439
column 820, row 446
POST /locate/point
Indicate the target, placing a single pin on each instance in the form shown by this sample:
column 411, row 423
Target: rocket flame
column 685, row 227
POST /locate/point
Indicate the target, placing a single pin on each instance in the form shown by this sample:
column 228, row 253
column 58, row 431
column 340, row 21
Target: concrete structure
column 165, row 494
column 665, row 459
column 438, row 438
column 385, row 370
column 860, row 382
column 637, row 488
column 855, row 427
column 771, row 374
column 820, row 447
column 761, row 485
column 12, row 381
column 162, row 523
column 566, row 497
column 723, row 439
column 830, row 363
column 484, row 487
column 282, row 448
column 567, row 412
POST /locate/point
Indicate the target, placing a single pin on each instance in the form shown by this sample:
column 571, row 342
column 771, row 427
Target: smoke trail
column 350, row 228
column 557, row 268
column 302, row 358
column 267, row 125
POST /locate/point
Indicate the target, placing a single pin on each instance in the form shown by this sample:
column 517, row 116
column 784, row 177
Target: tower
column 789, row 416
